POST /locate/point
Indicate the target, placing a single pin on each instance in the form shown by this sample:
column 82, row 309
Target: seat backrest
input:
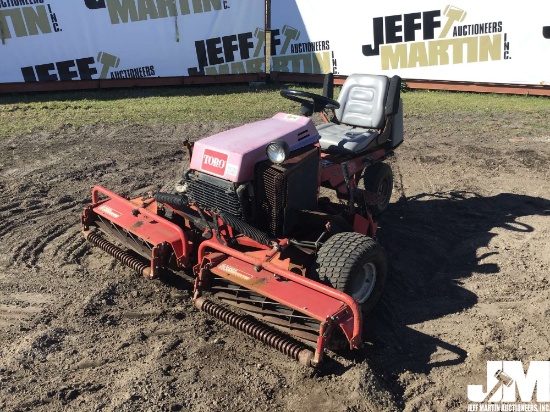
column 363, row 100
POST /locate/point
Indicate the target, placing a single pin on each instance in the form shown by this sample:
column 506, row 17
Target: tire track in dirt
column 30, row 252
column 71, row 246
column 29, row 230
column 12, row 314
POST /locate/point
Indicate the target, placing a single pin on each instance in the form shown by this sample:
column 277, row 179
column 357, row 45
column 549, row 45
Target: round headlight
column 277, row 151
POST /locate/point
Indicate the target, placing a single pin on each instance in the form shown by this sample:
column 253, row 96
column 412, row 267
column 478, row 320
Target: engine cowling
column 230, row 172
column 233, row 154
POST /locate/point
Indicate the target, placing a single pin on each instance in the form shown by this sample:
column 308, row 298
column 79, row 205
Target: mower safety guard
column 316, row 300
column 136, row 218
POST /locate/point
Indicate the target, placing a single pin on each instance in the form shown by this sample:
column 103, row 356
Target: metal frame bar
column 355, row 340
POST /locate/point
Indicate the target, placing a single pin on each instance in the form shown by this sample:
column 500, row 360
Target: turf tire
column 346, row 258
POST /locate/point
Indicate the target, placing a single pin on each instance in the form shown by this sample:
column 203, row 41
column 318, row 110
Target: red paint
column 348, row 312
column 141, row 222
column 214, row 162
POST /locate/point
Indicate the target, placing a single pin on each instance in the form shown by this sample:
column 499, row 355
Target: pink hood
column 233, row 154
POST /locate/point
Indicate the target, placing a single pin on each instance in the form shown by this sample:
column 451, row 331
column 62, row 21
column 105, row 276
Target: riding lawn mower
column 269, row 255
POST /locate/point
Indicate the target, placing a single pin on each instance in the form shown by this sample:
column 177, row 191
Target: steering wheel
column 313, row 101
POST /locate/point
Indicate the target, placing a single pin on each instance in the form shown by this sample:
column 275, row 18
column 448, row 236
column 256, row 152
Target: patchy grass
column 27, row 113
column 422, row 102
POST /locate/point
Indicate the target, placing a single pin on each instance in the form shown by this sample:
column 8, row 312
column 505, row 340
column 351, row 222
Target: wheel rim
column 383, row 190
column 363, row 283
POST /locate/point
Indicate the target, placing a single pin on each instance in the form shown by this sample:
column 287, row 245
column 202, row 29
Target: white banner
column 50, row 40
column 433, row 40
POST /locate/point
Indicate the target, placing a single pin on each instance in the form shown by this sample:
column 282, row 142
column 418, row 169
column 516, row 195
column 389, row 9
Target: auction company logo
column 84, row 69
column 305, row 57
column 125, row 11
column 244, row 53
column 34, row 19
column 395, row 40
column 507, row 383
column 217, row 55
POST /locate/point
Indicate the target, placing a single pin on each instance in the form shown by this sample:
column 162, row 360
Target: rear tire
column 354, row 264
column 379, row 179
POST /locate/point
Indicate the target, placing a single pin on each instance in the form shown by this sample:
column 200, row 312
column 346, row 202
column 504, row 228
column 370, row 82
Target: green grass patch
column 423, row 102
column 27, row 113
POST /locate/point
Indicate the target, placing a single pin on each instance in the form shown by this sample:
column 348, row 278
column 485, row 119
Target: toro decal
column 214, row 162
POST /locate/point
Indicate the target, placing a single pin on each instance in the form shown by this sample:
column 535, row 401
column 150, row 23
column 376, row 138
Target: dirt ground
column 467, row 234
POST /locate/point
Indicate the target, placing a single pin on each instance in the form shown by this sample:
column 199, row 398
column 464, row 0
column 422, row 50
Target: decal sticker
column 292, row 117
column 109, row 211
column 234, row 271
column 214, row 162
column 232, row 170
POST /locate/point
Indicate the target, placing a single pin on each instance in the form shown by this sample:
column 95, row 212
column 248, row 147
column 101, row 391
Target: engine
column 283, row 189
column 232, row 174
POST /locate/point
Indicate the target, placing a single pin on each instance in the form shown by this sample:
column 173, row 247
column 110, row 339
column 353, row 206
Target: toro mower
column 274, row 219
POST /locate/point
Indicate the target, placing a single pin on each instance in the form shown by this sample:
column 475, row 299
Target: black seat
column 370, row 114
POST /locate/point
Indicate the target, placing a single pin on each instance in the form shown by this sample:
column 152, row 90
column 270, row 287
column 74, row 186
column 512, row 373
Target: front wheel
column 354, row 264
column 379, row 179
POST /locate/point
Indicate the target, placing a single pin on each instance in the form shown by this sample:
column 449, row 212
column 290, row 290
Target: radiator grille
column 210, row 192
column 285, row 188
column 272, row 205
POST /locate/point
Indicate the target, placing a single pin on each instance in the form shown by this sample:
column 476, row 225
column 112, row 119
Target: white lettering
column 213, row 161
column 504, row 378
